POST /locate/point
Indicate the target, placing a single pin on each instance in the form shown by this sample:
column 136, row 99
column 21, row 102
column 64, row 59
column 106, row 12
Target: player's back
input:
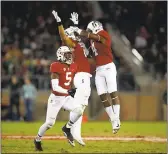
column 80, row 59
column 103, row 52
column 66, row 74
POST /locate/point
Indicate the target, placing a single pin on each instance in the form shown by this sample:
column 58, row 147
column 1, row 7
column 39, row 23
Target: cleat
column 80, row 141
column 68, row 135
column 38, row 146
column 116, row 126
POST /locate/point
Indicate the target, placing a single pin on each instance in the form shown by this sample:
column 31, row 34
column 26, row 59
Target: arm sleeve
column 57, row 88
column 66, row 40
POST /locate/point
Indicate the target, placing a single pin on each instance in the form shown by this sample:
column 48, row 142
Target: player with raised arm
column 62, row 74
column 105, row 69
column 82, row 77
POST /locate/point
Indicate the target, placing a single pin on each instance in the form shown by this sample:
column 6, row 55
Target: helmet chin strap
column 68, row 62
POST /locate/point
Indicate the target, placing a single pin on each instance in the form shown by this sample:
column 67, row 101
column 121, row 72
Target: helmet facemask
column 68, row 59
column 64, row 55
column 70, row 33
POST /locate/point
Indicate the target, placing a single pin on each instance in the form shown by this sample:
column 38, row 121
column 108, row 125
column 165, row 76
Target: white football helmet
column 64, row 55
column 70, row 33
column 95, row 27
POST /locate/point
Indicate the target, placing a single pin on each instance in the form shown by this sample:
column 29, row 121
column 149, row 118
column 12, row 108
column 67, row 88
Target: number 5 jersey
column 66, row 74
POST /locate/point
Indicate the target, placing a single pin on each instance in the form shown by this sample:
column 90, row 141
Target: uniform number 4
column 94, row 49
column 68, row 78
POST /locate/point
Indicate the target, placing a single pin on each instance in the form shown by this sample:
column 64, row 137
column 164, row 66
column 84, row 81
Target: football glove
column 74, row 18
column 72, row 92
column 58, row 19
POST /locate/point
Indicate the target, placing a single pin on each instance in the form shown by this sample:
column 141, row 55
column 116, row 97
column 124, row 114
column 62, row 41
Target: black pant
column 14, row 102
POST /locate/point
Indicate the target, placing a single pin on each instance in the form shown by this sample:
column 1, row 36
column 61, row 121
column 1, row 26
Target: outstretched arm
column 66, row 40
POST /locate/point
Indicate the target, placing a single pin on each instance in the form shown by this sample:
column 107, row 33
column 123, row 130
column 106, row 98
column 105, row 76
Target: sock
column 41, row 131
column 69, row 124
column 76, row 128
column 38, row 138
column 110, row 113
column 117, row 110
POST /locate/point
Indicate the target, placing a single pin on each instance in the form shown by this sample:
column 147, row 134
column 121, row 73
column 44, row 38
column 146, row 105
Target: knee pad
column 79, row 109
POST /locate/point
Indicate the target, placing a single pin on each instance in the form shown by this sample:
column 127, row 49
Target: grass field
column 89, row 129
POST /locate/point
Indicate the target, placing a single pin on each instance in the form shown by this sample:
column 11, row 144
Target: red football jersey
column 66, row 75
column 103, row 52
column 80, row 59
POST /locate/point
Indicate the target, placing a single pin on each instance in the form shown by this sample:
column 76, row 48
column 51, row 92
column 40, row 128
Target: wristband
column 59, row 23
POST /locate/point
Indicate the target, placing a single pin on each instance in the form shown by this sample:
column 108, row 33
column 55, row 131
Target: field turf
column 128, row 129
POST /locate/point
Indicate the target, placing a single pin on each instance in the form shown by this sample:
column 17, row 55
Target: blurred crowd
column 145, row 25
column 29, row 37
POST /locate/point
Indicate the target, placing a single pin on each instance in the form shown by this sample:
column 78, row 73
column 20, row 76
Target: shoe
column 38, row 146
column 80, row 141
column 116, row 126
column 68, row 135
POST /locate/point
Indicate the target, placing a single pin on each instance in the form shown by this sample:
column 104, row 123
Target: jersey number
column 68, row 78
column 85, row 50
column 94, row 49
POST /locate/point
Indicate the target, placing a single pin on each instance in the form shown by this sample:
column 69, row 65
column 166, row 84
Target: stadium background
column 29, row 40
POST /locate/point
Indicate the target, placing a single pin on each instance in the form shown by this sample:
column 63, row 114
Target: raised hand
column 58, row 19
column 74, row 18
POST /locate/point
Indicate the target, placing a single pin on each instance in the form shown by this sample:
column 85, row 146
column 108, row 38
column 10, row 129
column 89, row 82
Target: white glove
column 74, row 18
column 56, row 16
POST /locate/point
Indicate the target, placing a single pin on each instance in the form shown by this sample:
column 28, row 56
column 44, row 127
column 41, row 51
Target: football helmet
column 64, row 55
column 95, row 27
column 70, row 33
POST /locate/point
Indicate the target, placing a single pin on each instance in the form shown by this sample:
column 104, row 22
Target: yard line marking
column 148, row 139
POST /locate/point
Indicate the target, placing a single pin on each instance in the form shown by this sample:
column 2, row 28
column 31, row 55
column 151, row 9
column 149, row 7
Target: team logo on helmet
column 95, row 26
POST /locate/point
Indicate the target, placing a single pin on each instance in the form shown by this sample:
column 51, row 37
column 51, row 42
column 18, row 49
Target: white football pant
column 55, row 103
column 106, row 81
column 83, row 91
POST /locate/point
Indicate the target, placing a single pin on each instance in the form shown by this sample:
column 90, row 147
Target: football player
column 105, row 69
column 82, row 77
column 62, row 74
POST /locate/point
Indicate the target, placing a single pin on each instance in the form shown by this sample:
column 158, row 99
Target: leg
column 112, row 89
column 75, row 115
column 10, row 111
column 18, row 109
column 29, row 109
column 107, row 106
column 82, row 82
column 76, row 131
column 73, row 128
column 101, row 86
column 26, row 108
column 116, row 103
column 54, row 106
